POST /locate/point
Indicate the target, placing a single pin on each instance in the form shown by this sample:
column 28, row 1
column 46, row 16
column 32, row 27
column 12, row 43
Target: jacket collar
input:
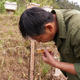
column 61, row 24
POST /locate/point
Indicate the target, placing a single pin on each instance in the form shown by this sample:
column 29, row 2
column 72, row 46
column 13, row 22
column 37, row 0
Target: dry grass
column 15, row 53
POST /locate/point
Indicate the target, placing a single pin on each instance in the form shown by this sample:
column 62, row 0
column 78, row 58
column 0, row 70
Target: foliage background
column 22, row 4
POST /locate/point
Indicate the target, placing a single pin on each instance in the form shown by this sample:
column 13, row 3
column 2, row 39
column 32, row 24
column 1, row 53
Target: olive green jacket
column 68, row 39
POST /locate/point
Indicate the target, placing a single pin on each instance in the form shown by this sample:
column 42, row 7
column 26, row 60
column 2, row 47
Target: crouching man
column 61, row 26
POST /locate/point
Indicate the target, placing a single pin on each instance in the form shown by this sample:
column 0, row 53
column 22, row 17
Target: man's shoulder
column 72, row 19
column 72, row 22
column 69, row 13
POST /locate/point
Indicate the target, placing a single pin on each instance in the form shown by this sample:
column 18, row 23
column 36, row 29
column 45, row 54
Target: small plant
column 1, row 42
column 20, row 60
column 10, row 76
column 46, row 68
column 2, row 62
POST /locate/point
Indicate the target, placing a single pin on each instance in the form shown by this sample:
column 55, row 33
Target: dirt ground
column 15, row 54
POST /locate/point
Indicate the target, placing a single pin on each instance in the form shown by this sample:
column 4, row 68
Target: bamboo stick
column 32, row 60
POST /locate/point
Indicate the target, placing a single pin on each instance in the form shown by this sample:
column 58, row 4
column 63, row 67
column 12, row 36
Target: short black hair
column 32, row 21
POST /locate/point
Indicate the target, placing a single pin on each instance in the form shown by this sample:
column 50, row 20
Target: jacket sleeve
column 75, row 43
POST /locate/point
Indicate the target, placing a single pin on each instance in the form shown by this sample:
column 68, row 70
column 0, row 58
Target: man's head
column 37, row 24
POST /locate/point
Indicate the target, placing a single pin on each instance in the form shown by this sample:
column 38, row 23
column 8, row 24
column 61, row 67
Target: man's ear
column 49, row 27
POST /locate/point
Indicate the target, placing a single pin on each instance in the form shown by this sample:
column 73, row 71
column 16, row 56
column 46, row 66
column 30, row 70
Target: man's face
column 48, row 35
column 43, row 37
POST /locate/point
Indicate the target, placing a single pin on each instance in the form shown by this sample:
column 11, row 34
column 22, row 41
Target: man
column 62, row 26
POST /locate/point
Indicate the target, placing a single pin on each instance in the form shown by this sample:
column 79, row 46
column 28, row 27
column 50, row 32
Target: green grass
column 45, row 69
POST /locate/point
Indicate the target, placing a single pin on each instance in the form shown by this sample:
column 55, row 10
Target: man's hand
column 67, row 67
column 48, row 58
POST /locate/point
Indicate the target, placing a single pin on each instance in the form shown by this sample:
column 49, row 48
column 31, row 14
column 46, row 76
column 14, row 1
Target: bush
column 2, row 9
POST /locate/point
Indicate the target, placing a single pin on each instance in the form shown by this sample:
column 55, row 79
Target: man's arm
column 67, row 67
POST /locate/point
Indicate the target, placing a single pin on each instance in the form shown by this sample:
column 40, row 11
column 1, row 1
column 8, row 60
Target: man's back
column 68, row 39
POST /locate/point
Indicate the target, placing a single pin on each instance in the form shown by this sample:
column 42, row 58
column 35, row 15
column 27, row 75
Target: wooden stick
column 32, row 60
